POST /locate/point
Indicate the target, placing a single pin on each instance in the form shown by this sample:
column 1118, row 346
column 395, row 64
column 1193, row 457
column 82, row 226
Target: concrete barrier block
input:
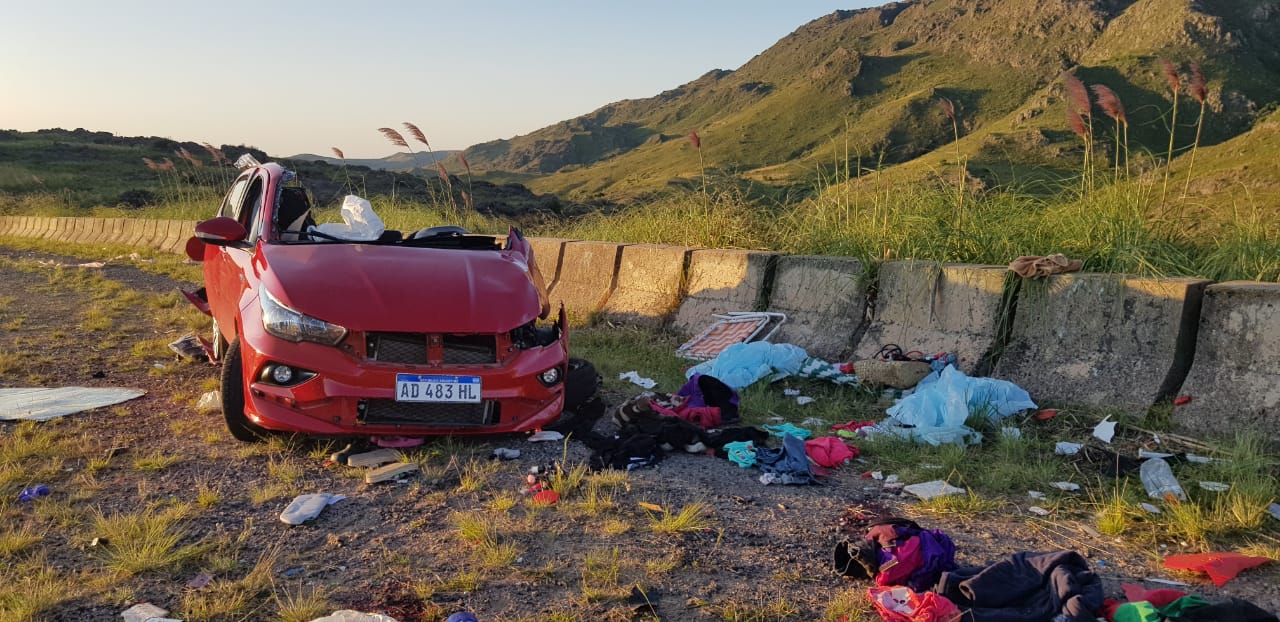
column 7, row 224
column 79, row 231
column 650, row 280
column 1234, row 384
column 46, row 227
column 1102, row 339
column 19, row 225
column 150, row 233
column 31, row 226
column 132, row 232
column 586, row 277
column 932, row 307
column 546, row 251
column 825, row 299
column 170, row 231
column 63, row 229
column 182, row 231
column 97, row 230
column 115, row 234
column 720, row 281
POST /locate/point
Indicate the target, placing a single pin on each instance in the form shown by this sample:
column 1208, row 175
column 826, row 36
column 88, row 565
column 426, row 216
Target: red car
column 432, row 333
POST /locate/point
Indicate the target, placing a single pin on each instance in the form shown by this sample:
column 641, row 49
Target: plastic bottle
column 1159, row 481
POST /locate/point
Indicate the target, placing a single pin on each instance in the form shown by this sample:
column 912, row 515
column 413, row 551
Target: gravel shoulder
column 399, row 548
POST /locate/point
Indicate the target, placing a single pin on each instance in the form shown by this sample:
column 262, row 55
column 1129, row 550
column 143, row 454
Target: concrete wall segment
column 1100, row 339
column 649, row 284
column 720, row 281
column 932, row 307
column 588, row 273
column 1234, row 383
column 825, row 299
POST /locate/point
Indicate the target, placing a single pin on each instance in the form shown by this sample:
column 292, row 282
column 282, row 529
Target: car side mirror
column 221, row 231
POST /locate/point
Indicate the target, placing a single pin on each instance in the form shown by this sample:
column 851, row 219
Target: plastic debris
column 1009, row 432
column 636, row 379
column 1215, row 486
column 502, row 453
column 1143, row 453
column 791, row 392
column 142, row 612
column 391, row 472
column 804, row 399
column 1274, row 510
column 347, row 615
column 1067, row 486
column 200, row 581
column 546, row 497
column 1036, row 494
column 191, row 346
column 1199, row 459
column 935, row 488
column 1038, row 511
column 1159, row 481
column 210, row 402
column 890, row 479
column 1151, row 509
column 814, row 422
column 41, row 404
column 1045, row 414
column 306, row 507
column 877, row 475
column 33, row 492
column 1105, row 430
column 545, row 435
column 936, row 412
column 375, row 458
column 462, row 616
column 1064, row 448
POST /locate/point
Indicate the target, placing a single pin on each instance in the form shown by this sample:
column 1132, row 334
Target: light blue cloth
column 742, row 364
column 741, row 453
column 937, row 411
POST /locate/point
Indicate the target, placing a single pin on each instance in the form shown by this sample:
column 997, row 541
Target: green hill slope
column 865, row 83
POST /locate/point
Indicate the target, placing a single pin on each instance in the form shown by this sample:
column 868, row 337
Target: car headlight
column 291, row 325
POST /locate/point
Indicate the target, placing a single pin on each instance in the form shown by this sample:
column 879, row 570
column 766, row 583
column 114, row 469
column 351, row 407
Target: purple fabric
column 937, row 555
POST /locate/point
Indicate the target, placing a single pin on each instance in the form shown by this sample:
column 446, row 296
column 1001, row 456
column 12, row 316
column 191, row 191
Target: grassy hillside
column 862, row 86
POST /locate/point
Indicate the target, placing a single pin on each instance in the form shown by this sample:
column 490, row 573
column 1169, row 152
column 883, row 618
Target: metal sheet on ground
column 43, row 404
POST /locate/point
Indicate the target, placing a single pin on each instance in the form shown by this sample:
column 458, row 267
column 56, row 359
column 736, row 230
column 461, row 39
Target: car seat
column 293, row 216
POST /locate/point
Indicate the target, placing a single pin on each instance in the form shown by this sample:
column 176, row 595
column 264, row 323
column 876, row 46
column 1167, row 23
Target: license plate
column 453, row 389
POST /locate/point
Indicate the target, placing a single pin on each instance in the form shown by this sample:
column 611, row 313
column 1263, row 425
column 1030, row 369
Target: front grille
column 405, row 348
column 415, row 349
column 470, row 350
column 424, row 413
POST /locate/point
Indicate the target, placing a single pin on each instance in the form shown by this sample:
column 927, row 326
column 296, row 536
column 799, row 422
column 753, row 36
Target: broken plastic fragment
column 1149, row 508
column 804, row 399
column 935, row 488
column 1064, row 448
column 1142, row 453
column 1274, row 510
column 306, row 507
column 791, row 392
column 1067, row 486
column 1035, row 494
column 636, row 379
column 1105, row 430
column 545, row 435
column 1038, row 511
column 1013, row 433
column 1215, row 486
column 1198, row 459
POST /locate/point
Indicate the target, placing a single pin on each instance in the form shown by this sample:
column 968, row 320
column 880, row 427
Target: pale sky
column 292, row 77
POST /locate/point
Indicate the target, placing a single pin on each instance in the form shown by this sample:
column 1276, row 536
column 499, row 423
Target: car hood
column 367, row 287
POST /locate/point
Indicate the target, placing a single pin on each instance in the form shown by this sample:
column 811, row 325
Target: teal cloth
column 741, row 453
column 783, row 429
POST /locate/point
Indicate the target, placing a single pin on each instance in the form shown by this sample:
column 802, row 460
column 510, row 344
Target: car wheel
column 580, row 384
column 233, row 398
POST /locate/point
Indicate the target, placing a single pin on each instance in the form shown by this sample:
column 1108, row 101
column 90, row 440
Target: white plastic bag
column 359, row 224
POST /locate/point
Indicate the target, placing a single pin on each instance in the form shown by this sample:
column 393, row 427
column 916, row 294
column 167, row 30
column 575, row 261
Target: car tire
column 581, row 383
column 233, row 398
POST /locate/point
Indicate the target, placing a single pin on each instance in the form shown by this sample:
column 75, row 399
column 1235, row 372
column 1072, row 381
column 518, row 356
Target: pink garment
column 902, row 604
column 829, row 451
column 906, row 558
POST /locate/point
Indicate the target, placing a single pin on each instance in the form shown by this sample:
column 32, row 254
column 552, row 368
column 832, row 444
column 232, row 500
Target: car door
column 231, row 277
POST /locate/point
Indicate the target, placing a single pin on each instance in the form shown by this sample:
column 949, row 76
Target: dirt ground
column 396, row 548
